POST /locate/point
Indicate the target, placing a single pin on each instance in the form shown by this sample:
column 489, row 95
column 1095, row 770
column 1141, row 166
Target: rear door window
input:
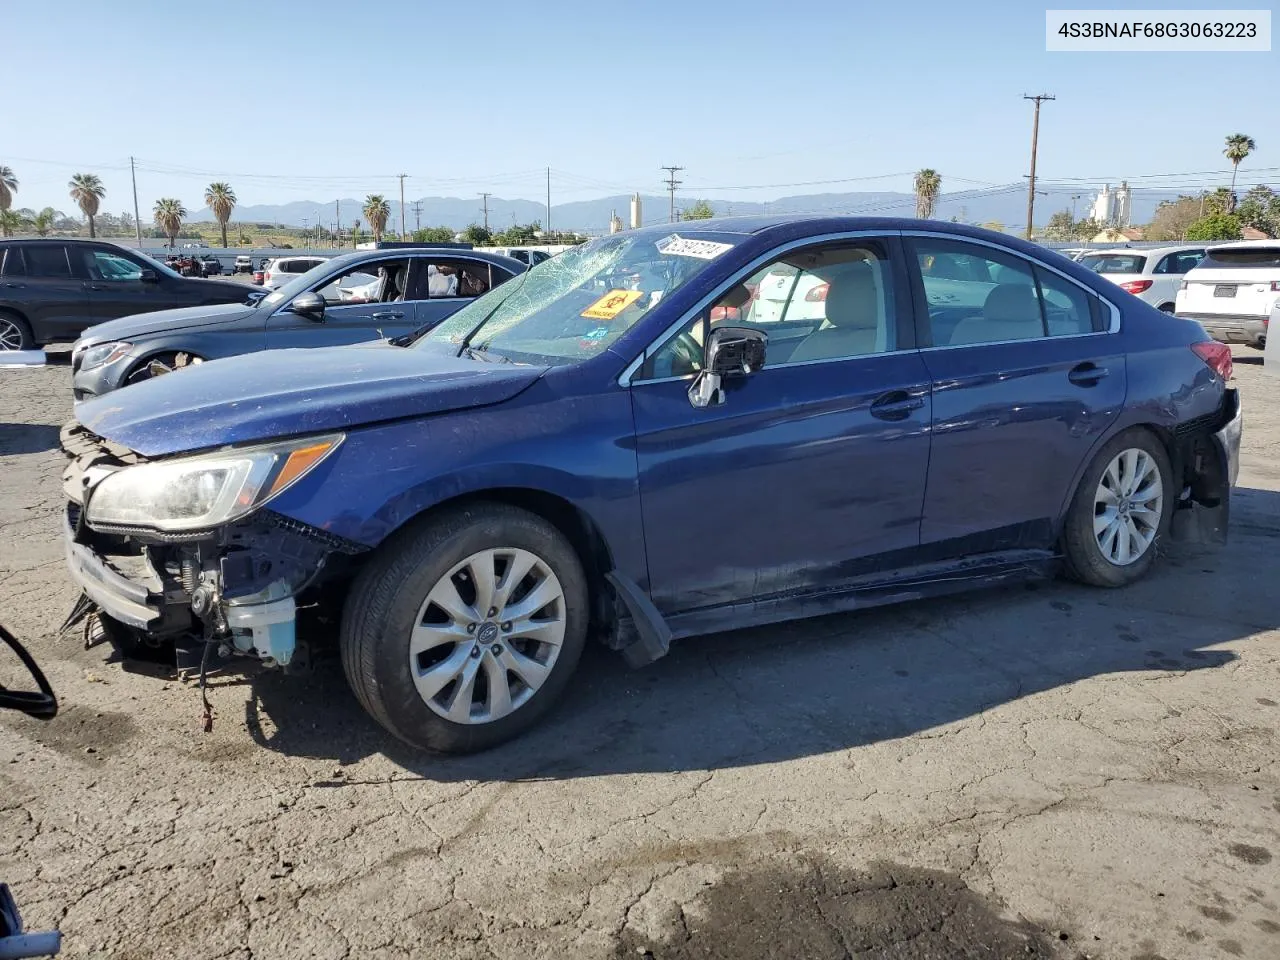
column 11, row 262
column 447, row 279
column 48, row 260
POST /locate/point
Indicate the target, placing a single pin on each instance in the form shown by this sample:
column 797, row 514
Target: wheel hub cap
column 1127, row 507
column 487, row 636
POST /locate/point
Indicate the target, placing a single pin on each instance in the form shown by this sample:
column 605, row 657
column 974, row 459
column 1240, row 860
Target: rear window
column 1114, row 262
column 1241, row 259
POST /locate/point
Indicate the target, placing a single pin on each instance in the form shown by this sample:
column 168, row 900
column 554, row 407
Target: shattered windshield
column 575, row 305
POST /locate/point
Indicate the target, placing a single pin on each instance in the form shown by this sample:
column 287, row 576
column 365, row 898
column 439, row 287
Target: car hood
column 282, row 393
column 159, row 321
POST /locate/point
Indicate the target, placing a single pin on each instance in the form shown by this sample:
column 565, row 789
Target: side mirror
column 732, row 353
column 147, row 275
column 309, row 305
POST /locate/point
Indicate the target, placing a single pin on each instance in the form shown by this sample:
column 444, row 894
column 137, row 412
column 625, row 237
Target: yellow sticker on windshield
column 612, row 304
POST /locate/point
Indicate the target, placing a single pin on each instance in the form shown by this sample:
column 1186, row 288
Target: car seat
column 854, row 325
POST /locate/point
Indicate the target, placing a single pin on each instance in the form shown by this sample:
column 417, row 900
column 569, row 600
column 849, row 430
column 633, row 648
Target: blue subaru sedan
column 665, row 432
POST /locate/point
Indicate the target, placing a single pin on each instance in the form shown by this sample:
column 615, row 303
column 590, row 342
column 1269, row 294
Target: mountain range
column 1006, row 205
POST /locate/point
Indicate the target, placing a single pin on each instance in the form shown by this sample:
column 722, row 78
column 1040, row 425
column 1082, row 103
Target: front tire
column 1120, row 511
column 465, row 628
column 14, row 333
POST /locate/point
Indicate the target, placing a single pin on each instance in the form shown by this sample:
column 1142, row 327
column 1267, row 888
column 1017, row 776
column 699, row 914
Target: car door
column 1026, row 375
column 378, row 311
column 441, row 286
column 115, row 285
column 50, row 285
column 812, row 470
column 1166, row 277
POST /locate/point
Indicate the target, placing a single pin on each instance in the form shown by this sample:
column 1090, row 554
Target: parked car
column 1153, row 275
column 530, row 257
column 244, row 263
column 556, row 461
column 211, row 266
column 276, row 273
column 316, row 309
column 52, row 290
column 1233, row 290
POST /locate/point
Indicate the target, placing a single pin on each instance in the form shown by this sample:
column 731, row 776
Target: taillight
column 720, row 314
column 1216, row 355
column 267, row 275
column 1135, row 286
column 818, row 294
column 1275, row 286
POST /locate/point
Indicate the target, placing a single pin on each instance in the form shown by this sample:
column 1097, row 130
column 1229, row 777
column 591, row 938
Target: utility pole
column 137, row 220
column 402, row 176
column 1074, row 198
column 337, row 223
column 1035, row 136
column 672, row 183
column 417, row 215
column 485, row 199
column 548, row 230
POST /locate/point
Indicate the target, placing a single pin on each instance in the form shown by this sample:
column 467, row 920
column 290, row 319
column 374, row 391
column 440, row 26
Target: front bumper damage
column 236, row 586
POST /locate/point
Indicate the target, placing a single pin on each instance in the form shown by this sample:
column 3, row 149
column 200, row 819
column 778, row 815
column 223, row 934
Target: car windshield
column 1114, row 262
column 300, row 283
column 573, row 306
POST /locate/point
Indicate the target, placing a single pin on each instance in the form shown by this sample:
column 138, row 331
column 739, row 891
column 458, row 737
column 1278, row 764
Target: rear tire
column 1166, row 308
column 463, row 679
column 15, row 334
column 1120, row 511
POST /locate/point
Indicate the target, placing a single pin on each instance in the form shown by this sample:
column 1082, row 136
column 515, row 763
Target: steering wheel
column 39, row 703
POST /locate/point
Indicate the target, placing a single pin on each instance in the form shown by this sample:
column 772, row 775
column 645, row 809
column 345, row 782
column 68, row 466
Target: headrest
column 1011, row 303
column 852, row 300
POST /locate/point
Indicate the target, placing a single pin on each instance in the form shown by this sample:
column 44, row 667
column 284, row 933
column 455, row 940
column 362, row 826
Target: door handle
column 895, row 405
column 388, row 315
column 15, row 286
column 94, row 286
column 1086, row 374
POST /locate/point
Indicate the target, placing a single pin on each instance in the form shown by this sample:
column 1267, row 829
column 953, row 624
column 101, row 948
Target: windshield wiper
column 480, row 353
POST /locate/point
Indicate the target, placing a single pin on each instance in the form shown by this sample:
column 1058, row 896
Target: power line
column 672, row 183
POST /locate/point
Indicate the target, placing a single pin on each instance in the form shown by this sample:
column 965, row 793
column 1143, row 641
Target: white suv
column 1151, row 275
column 1233, row 291
column 283, row 269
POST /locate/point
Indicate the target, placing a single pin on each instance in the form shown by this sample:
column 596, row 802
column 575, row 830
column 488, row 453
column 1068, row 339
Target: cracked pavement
column 1051, row 771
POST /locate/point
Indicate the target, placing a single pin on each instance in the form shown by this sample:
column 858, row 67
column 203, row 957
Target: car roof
column 1247, row 245
column 1145, row 251
column 362, row 256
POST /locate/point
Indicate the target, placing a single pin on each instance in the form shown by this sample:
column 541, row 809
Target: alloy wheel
column 487, row 635
column 1127, row 506
column 10, row 335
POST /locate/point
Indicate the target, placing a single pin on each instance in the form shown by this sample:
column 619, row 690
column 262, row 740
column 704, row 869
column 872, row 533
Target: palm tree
column 8, row 187
column 377, row 211
column 42, row 222
column 221, row 200
column 1239, row 146
column 355, row 233
column 928, row 185
column 11, row 220
column 169, row 214
column 87, row 190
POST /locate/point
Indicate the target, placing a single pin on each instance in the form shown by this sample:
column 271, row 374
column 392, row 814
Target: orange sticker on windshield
column 612, row 304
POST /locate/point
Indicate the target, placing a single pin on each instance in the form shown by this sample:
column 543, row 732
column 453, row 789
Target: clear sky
column 315, row 100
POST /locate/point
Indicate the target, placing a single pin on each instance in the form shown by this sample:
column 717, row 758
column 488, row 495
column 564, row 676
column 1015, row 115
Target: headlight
column 194, row 493
column 103, row 353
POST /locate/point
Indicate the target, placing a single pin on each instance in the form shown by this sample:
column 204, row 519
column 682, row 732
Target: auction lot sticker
column 678, row 246
column 612, row 304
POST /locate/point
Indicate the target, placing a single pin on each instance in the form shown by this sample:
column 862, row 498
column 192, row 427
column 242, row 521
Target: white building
column 1113, row 207
column 636, row 220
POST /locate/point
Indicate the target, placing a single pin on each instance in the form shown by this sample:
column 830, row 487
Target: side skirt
column 874, row 590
